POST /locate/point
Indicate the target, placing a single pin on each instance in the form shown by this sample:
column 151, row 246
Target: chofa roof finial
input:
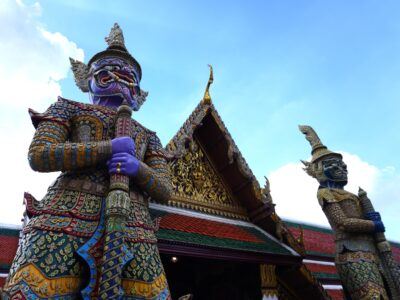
column 207, row 97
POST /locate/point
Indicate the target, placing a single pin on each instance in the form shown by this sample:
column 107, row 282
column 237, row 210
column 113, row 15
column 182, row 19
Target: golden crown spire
column 116, row 37
column 319, row 150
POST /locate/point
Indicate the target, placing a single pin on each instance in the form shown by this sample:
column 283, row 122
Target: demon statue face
column 111, row 80
column 335, row 170
column 112, row 75
column 325, row 166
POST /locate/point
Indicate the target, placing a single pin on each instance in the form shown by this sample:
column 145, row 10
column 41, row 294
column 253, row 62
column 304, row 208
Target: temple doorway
column 209, row 279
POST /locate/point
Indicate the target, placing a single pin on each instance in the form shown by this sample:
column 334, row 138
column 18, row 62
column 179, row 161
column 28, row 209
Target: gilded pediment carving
column 198, row 186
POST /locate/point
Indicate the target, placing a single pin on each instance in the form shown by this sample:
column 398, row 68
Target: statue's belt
column 344, row 236
column 87, row 186
column 81, row 185
column 356, row 256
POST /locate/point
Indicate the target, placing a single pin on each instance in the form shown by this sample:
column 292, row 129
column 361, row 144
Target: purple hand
column 123, row 145
column 123, row 163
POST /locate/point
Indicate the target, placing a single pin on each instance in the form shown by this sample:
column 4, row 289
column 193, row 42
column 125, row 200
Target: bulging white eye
column 111, row 67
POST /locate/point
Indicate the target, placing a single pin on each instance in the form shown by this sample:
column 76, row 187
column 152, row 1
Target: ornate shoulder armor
column 324, row 196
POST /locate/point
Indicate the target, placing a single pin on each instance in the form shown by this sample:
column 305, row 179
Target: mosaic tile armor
column 358, row 231
column 356, row 259
column 75, row 138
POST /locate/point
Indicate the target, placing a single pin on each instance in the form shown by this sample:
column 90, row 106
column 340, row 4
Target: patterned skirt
column 361, row 275
column 47, row 266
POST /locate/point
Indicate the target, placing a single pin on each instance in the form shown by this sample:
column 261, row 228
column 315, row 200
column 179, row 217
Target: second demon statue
column 363, row 257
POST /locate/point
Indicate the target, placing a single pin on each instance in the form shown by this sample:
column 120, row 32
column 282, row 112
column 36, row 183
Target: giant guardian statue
column 363, row 258
column 91, row 236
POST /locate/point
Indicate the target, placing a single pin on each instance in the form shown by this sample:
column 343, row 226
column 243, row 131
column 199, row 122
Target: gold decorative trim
column 188, row 203
column 42, row 285
column 145, row 289
column 268, row 276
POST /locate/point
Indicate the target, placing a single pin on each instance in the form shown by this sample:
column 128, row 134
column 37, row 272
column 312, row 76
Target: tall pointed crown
column 116, row 38
column 319, row 150
column 116, row 47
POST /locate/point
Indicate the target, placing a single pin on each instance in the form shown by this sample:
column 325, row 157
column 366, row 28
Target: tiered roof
column 218, row 237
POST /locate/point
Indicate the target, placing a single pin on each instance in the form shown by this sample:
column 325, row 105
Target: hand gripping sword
column 114, row 253
column 117, row 207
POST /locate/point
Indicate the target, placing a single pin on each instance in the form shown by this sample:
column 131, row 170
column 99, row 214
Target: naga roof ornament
column 116, row 47
column 319, row 150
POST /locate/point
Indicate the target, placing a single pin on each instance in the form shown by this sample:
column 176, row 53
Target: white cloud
column 294, row 192
column 32, row 61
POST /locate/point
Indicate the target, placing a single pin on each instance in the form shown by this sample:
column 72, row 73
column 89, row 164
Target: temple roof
column 226, row 236
column 204, row 154
column 205, row 129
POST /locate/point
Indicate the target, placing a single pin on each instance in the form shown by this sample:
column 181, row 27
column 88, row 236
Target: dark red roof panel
column 2, row 281
column 323, row 272
column 316, row 242
column 396, row 251
column 320, row 241
column 317, row 268
column 336, row 294
column 8, row 247
column 197, row 231
column 207, row 227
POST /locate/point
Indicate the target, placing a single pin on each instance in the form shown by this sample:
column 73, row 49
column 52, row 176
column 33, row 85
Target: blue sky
column 334, row 65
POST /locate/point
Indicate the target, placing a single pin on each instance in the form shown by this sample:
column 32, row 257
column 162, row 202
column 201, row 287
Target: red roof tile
column 315, row 241
column 336, row 294
column 8, row 248
column 2, row 281
column 319, row 240
column 396, row 253
column 317, row 268
column 207, row 227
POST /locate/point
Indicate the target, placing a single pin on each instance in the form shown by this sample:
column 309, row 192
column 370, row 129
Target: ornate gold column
column 269, row 282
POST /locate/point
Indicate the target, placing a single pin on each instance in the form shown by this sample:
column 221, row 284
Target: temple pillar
column 269, row 284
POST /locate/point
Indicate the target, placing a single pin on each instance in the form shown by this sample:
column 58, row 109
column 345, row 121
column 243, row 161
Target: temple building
column 219, row 235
